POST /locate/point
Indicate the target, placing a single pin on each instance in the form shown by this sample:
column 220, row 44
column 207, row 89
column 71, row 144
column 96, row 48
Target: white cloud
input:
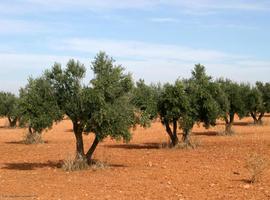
column 13, row 61
column 11, row 26
column 152, row 62
column 15, row 68
column 141, row 50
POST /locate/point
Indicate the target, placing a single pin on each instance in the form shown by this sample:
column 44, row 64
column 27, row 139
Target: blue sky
column 157, row 40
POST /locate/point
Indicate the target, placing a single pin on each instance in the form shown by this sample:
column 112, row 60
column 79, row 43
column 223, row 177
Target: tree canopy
column 102, row 107
column 188, row 102
column 236, row 95
column 145, row 99
column 37, row 105
column 259, row 101
column 9, row 107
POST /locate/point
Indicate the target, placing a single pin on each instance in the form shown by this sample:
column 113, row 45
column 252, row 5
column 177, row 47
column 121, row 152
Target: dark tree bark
column 30, row 130
column 228, row 129
column 229, row 124
column 260, row 122
column 257, row 121
column 90, row 152
column 12, row 122
column 78, row 129
column 254, row 117
column 186, row 136
column 175, row 138
column 173, row 135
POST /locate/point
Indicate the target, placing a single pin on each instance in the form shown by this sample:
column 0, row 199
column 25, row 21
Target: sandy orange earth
column 138, row 170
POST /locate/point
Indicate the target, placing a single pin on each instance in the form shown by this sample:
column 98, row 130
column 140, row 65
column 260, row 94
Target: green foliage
column 258, row 101
column 68, row 89
column 254, row 100
column 174, row 107
column 145, row 99
column 234, row 93
column 37, row 105
column 254, row 103
column 115, row 114
column 236, row 102
column 202, row 91
column 264, row 88
column 173, row 102
column 9, row 107
column 73, row 99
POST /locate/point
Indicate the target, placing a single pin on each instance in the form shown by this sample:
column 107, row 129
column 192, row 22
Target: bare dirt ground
column 138, row 170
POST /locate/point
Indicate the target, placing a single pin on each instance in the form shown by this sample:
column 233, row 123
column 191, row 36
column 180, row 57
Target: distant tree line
column 110, row 104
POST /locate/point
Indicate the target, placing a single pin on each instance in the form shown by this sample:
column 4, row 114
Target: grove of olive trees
column 110, row 104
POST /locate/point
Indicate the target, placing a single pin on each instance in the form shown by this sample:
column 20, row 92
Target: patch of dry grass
column 34, row 138
column 256, row 165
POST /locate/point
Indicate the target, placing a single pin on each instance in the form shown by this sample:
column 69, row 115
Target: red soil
column 138, row 170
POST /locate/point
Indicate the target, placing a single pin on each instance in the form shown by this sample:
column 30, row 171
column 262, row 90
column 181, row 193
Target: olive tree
column 173, row 104
column 204, row 107
column 236, row 95
column 9, row 107
column 38, row 107
column 70, row 96
column 255, row 105
column 145, row 99
column 263, row 104
column 188, row 102
column 103, row 107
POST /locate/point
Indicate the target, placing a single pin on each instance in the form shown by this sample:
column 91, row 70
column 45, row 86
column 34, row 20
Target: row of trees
column 110, row 104
column 201, row 99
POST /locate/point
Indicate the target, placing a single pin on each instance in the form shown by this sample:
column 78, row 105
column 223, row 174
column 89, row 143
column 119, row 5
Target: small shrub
column 96, row 164
column 193, row 144
column 230, row 132
column 71, row 164
column 33, row 138
column 256, row 165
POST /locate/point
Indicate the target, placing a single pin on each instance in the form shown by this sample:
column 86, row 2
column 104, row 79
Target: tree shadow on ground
column 22, row 142
column 24, row 166
column 244, row 180
column 117, row 165
column 32, row 166
column 242, row 123
column 236, row 123
column 220, row 123
column 97, row 162
column 8, row 127
column 207, row 133
column 135, row 146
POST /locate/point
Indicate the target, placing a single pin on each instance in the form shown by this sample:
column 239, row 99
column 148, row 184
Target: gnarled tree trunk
column 90, row 152
column 257, row 121
column 260, row 122
column 12, row 122
column 78, row 129
column 172, row 134
column 229, row 124
column 186, row 136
